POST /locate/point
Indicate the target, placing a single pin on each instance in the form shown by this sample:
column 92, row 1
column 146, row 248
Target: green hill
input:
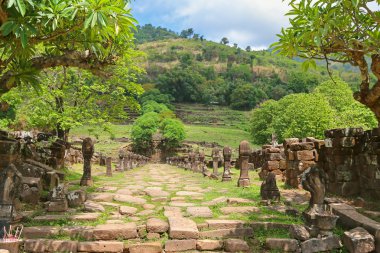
column 194, row 70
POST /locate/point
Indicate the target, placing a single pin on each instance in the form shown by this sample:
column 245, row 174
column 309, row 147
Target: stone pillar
column 109, row 167
column 121, row 164
column 244, row 151
column 125, row 162
column 202, row 166
column 227, row 153
column 130, row 161
column 215, row 161
column 88, row 152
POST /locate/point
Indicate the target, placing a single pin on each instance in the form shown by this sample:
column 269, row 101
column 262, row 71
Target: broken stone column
column 10, row 183
column 109, row 167
column 215, row 161
column 320, row 220
column 88, row 152
column 273, row 161
column 227, row 154
column 58, row 201
column 244, row 152
column 269, row 191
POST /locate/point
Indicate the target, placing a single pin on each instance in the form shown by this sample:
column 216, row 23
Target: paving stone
column 155, row 225
column 152, row 247
column 189, row 193
column 101, row 247
column 101, row 197
column 180, row 245
column 227, row 233
column 268, row 225
column 107, row 189
column 156, row 192
column 145, row 213
column 40, row 232
column 319, row 245
column 203, row 212
column 209, row 245
column 223, row 224
column 115, row 231
column 282, row 244
column 240, row 209
column 127, row 210
column 215, row 201
column 178, row 199
column 109, row 204
column 115, row 222
column 232, row 201
column 130, row 199
column 149, row 206
column 160, row 199
column 84, row 232
column 358, row 240
column 236, row 245
column 182, row 228
column 124, row 192
column 181, row 204
column 152, row 236
column 94, row 207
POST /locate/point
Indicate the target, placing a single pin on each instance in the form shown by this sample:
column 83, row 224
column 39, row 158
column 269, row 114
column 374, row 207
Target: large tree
column 36, row 35
column 346, row 31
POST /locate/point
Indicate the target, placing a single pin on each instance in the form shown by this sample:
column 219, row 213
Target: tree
column 224, row 41
column 248, row 49
column 187, row 33
column 246, row 96
column 71, row 97
column 346, row 31
column 36, row 35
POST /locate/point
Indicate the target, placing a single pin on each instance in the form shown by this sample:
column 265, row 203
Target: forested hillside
column 194, row 70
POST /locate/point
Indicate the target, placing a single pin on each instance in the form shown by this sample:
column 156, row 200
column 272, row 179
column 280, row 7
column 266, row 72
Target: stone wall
column 300, row 155
column 270, row 159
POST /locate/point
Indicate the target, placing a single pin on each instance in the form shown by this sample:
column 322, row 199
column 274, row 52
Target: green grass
column 222, row 135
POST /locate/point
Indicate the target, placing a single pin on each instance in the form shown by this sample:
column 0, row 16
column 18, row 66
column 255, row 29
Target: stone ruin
column 273, row 160
column 269, row 191
column 244, row 152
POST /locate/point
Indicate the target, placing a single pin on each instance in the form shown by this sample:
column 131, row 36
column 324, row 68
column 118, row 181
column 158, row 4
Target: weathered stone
column 44, row 245
column 40, row 232
column 224, row 224
column 232, row 201
column 88, row 152
column 319, row 245
column 180, row 245
column 358, row 240
column 127, row 210
column 244, row 153
column 115, row 231
column 282, row 244
column 156, row 192
column 101, row 247
column 189, row 193
column 155, row 225
column 299, row 232
column 182, row 228
column 268, row 225
column 203, row 212
column 240, row 209
column 94, row 207
column 152, row 236
column 209, row 245
column 227, row 233
column 102, row 197
column 152, row 247
column 129, row 199
column 76, row 198
column 236, row 245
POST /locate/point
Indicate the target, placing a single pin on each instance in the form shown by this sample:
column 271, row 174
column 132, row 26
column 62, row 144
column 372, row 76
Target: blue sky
column 252, row 23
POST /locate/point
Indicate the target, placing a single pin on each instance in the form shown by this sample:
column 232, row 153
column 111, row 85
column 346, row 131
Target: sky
column 252, row 23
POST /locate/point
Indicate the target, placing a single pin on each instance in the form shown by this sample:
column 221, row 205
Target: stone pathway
column 159, row 208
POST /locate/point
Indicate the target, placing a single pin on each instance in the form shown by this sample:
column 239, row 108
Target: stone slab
column 240, row 209
column 182, row 228
column 115, row 231
column 180, row 245
column 202, row 211
column 101, row 247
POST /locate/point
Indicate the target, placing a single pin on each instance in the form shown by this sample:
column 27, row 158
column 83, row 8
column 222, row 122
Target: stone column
column 109, row 167
column 121, row 164
column 244, row 151
column 202, row 162
column 215, row 161
column 88, row 152
column 227, row 153
column 125, row 162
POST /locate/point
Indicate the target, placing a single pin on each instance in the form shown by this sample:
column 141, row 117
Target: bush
column 144, row 128
column 173, row 132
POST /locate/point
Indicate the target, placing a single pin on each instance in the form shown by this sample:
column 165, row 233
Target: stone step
column 182, row 228
column 73, row 217
column 224, row 224
column 115, row 231
column 227, row 233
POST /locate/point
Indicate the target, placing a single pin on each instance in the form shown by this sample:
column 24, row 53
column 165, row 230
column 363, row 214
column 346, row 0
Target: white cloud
column 245, row 22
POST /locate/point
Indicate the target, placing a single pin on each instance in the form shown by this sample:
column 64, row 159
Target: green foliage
column 173, row 131
column 331, row 105
column 36, row 35
column 153, row 106
column 148, row 32
column 144, row 128
column 70, row 97
column 246, row 96
column 157, row 96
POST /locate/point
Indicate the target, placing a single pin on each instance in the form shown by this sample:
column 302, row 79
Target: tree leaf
column 21, row 7
column 24, row 39
column 7, row 27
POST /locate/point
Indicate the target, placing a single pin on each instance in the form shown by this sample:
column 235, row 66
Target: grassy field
column 107, row 144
